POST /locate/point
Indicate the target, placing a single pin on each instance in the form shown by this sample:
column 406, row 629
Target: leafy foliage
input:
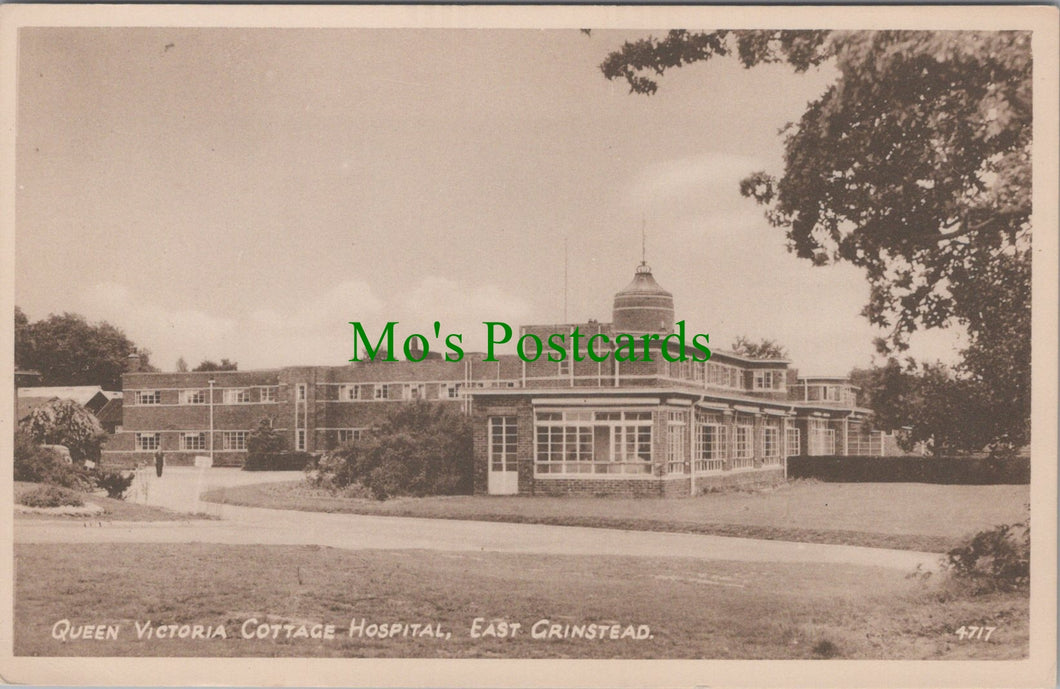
column 421, row 449
column 51, row 496
column 264, row 440
column 116, row 483
column 65, row 422
column 929, row 404
column 277, row 461
column 208, row 365
column 68, row 350
column 915, row 165
column 762, row 349
column 947, row 470
column 35, row 464
column 998, row 559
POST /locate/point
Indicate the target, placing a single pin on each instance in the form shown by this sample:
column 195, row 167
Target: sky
column 246, row 193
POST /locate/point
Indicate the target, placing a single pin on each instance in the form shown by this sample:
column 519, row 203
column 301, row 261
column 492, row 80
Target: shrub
column 51, row 496
column 998, row 559
column 421, row 449
column 35, row 464
column 910, row 469
column 278, row 461
column 265, row 439
column 65, row 422
column 116, row 483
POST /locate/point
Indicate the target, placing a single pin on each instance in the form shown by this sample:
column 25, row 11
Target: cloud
column 312, row 332
column 166, row 332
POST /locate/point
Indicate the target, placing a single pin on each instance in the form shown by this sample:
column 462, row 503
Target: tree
column 68, row 350
column 225, row 365
column 36, row 464
column 763, row 349
column 265, row 439
column 914, row 165
column 420, row 449
column 24, row 345
column 182, row 366
column 928, row 404
column 65, row 422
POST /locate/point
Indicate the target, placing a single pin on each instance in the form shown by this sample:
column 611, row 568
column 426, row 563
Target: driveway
column 179, row 488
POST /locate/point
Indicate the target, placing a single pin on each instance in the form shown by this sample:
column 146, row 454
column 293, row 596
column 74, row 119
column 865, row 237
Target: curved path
column 179, row 488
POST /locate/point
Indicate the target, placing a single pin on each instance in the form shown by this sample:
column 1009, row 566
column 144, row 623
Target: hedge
column 912, row 469
column 277, row 461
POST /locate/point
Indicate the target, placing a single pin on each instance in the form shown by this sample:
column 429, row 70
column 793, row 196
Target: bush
column 995, row 560
column 51, row 496
column 265, row 440
column 946, row 470
column 65, row 422
column 115, row 483
column 35, row 464
column 278, row 461
column 421, row 449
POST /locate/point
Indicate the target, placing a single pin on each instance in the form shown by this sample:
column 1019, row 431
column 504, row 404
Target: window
column 586, row 442
column 353, row 393
column 742, row 448
column 300, row 440
column 564, row 367
column 771, row 444
column 348, row 435
column 820, row 438
column 239, row 396
column 148, row 441
column 413, row 391
column 697, row 371
column 763, row 380
column 724, row 376
column 193, row 441
column 711, row 447
column 148, row 397
column 502, row 443
column 792, row 440
column 382, row 391
column 268, row 394
column 234, row 440
column 301, row 391
column 347, row 393
column 193, row 397
column 676, row 432
column 451, row 391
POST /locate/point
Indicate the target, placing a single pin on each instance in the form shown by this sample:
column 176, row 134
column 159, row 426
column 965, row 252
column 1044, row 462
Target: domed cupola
column 643, row 306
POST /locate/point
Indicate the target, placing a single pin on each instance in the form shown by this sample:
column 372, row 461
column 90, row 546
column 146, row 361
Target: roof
column 111, row 412
column 78, row 393
column 27, row 404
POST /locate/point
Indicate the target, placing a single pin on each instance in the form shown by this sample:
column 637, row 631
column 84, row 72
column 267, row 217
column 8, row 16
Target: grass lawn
column 692, row 609
column 113, row 510
column 908, row 516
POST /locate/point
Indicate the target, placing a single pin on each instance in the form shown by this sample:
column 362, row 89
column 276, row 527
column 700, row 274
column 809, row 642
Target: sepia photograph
column 620, row 344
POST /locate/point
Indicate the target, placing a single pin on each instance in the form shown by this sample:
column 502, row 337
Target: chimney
column 132, row 363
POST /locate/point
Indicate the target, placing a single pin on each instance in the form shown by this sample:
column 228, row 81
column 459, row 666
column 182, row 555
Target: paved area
column 179, row 487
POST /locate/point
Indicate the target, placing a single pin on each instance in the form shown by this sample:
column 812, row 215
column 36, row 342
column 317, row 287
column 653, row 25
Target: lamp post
column 212, row 381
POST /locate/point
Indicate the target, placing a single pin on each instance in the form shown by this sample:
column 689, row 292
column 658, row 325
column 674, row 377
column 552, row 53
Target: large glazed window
column 594, row 442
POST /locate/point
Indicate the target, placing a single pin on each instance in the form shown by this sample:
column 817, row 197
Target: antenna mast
column 564, row 279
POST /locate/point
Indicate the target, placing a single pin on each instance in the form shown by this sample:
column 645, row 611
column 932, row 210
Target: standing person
column 160, row 461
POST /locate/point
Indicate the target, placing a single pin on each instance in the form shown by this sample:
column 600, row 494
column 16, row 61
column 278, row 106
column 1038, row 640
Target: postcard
column 529, row 346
